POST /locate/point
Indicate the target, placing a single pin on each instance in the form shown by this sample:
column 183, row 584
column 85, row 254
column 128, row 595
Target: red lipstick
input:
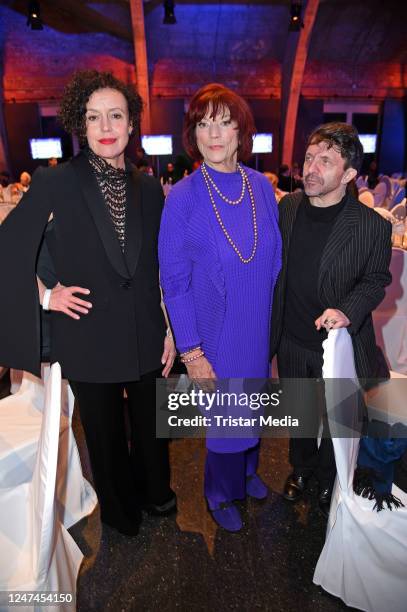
column 107, row 141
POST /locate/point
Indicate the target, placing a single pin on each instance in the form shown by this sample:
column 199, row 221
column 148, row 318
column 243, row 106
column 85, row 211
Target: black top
column 353, row 274
column 122, row 336
column 303, row 305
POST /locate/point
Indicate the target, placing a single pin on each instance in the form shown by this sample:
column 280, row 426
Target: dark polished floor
column 186, row 563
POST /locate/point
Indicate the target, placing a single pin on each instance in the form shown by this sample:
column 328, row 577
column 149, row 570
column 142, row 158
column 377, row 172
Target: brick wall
column 37, row 64
column 242, row 46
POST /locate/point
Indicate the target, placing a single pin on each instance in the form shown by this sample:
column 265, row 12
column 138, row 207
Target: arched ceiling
column 360, row 32
column 357, row 47
column 345, row 30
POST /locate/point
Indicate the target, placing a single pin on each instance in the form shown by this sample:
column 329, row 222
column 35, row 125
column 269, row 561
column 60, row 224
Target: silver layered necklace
column 112, row 184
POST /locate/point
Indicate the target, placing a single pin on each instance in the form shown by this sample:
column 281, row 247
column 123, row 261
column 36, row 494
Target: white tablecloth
column 390, row 318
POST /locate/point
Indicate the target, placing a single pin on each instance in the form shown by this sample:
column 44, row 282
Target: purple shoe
column 227, row 516
column 255, row 487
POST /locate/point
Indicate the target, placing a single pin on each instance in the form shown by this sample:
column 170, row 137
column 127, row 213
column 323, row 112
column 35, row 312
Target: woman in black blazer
column 107, row 326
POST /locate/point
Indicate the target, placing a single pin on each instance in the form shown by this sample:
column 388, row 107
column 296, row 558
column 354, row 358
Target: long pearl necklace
column 219, row 218
column 218, row 191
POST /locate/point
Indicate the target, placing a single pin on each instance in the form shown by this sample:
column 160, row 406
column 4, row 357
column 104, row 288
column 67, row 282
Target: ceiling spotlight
column 34, row 16
column 169, row 15
column 296, row 22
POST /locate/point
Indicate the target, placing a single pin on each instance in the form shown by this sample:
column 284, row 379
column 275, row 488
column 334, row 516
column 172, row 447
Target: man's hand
column 168, row 356
column 63, row 300
column 332, row 318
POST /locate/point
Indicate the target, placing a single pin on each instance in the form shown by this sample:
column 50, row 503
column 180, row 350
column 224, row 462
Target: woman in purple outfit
column 220, row 254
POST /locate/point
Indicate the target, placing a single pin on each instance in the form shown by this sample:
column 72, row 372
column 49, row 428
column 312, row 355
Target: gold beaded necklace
column 219, row 218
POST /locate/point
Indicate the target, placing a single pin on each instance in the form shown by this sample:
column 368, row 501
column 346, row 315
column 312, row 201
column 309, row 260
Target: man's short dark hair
column 344, row 138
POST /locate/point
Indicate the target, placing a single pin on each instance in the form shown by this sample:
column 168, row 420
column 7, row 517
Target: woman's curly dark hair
column 72, row 112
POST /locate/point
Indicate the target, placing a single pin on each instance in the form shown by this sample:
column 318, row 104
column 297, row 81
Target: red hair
column 218, row 98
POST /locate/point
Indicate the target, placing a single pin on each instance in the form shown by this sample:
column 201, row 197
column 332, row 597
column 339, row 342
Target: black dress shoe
column 166, row 509
column 294, row 487
column 324, row 501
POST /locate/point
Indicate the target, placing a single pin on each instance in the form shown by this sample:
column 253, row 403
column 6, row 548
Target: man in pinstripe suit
column 336, row 255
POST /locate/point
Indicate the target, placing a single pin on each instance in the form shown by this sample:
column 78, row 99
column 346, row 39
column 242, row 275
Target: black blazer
column 122, row 336
column 353, row 273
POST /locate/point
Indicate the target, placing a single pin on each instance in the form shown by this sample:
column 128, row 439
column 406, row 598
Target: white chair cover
column 380, row 194
column 390, row 317
column 389, row 190
column 38, row 457
column 360, row 182
column 20, row 426
column 367, row 198
column 364, row 558
column 399, row 212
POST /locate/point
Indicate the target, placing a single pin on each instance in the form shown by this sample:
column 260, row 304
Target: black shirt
column 310, row 234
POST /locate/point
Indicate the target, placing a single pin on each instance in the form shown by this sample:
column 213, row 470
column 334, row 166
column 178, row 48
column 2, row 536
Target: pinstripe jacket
column 354, row 270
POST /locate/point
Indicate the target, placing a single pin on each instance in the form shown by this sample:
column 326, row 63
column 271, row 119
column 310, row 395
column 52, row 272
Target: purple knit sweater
column 212, row 298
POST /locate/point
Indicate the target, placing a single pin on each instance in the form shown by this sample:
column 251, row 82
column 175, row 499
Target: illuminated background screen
column 44, row 148
column 157, row 145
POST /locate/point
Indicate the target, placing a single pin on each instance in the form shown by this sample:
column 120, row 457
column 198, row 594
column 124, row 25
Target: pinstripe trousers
column 306, row 458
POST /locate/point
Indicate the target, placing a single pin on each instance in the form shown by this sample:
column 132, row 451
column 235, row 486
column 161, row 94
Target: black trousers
column 124, row 478
column 295, row 361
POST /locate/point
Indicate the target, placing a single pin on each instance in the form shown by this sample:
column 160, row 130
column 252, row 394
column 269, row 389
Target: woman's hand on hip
column 168, row 355
column 63, row 300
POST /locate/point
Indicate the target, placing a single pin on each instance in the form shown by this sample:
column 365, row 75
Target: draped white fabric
column 390, row 318
column 42, row 489
column 364, row 559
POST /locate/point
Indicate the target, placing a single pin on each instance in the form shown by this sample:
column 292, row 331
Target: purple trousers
column 226, row 473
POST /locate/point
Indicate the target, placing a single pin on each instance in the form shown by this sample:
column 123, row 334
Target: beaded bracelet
column 189, row 359
column 190, row 351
